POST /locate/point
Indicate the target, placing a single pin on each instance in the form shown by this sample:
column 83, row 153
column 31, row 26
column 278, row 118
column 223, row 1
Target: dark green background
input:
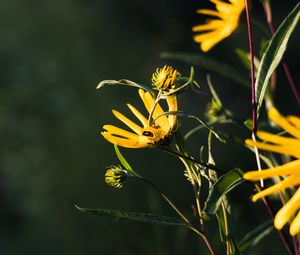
column 52, row 55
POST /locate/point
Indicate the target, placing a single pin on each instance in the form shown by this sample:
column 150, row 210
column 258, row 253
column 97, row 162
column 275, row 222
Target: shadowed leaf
column 274, row 53
column 220, row 188
column 118, row 215
column 208, row 63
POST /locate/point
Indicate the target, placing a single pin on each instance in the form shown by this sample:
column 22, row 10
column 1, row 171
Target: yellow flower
column 215, row 30
column 289, row 172
column 115, row 176
column 164, row 78
column 146, row 135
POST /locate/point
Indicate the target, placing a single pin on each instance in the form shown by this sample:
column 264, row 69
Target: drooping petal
column 292, row 167
column 172, row 104
column 277, row 139
column 286, row 183
column 295, row 226
column 287, row 211
column 294, row 120
column 275, row 116
column 137, row 129
column 287, row 150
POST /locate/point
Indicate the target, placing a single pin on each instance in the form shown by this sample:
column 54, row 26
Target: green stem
column 192, row 174
column 153, row 107
column 202, row 234
column 196, row 161
column 228, row 250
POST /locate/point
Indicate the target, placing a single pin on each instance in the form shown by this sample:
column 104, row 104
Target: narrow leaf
column 122, row 82
column 244, row 57
column 207, row 63
column 274, row 52
column 220, row 188
column 118, row 215
column 252, row 238
column 122, row 159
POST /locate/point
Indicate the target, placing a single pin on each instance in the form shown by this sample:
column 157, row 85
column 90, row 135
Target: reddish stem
column 254, row 107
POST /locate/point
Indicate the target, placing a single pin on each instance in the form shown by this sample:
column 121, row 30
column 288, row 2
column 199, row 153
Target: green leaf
column 118, row 215
column 122, row 159
column 274, row 52
column 220, row 188
column 252, row 238
column 244, row 57
column 122, row 82
column 207, row 63
column 248, row 124
column 124, row 162
column 213, row 92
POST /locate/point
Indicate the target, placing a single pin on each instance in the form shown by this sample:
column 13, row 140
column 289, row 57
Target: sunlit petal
column 287, row 211
column 283, row 123
column 120, row 132
column 292, row 167
column 137, row 129
column 137, row 114
column 295, row 225
column 286, row 183
column 223, row 22
column 287, row 150
column 278, row 139
column 123, row 142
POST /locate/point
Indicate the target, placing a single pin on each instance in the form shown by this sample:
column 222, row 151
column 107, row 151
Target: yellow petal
column 286, row 183
column 208, row 26
column 172, row 104
column 295, row 226
column 225, row 8
column 148, row 101
column 278, row 139
column 209, row 12
column 137, row 114
column 292, row 167
column 123, row 142
column 275, row 148
column 137, row 129
column 294, row 120
column 120, row 132
column 287, row 211
column 275, row 116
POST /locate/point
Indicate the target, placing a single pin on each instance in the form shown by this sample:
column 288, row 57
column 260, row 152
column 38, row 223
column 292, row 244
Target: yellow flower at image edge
column 226, row 19
column 145, row 135
column 289, row 172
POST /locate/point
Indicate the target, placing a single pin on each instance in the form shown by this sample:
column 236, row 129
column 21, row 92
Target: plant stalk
column 254, row 106
column 198, row 162
column 272, row 214
column 228, row 250
column 202, row 234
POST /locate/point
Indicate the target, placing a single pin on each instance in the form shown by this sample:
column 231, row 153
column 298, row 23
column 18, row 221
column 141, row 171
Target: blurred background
column 52, row 56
